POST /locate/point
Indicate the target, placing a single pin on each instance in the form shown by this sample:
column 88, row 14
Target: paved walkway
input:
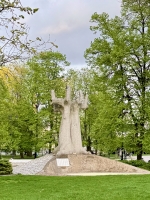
column 104, row 174
column 30, row 167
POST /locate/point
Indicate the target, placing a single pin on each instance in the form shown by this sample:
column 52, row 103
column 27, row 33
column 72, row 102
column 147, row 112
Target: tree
column 17, row 111
column 14, row 43
column 4, row 99
column 29, row 107
column 19, row 116
column 45, row 74
column 81, row 80
column 120, row 56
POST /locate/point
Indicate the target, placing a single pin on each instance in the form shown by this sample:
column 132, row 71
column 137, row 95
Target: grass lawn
column 117, row 187
column 7, row 157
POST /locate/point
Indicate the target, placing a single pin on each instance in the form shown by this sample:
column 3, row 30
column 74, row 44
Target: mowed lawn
column 117, row 187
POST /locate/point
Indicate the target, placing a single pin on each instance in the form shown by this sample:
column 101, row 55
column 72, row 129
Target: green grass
column 117, row 187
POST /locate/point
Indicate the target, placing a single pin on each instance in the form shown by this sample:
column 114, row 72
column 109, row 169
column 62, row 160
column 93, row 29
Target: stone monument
column 69, row 156
column 70, row 133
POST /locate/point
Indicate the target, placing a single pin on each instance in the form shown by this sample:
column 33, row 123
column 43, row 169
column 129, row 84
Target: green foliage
column 25, row 103
column 119, row 57
column 5, row 167
column 4, row 110
column 27, row 127
column 138, row 163
column 82, row 80
column 100, row 122
column 105, row 122
column 45, row 73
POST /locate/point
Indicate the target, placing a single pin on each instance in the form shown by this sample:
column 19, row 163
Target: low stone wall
column 88, row 163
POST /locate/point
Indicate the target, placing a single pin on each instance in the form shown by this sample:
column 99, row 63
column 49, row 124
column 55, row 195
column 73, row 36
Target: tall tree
column 121, row 57
column 19, row 110
column 14, row 42
column 24, row 126
column 30, row 113
column 4, row 110
column 82, row 80
column 45, row 74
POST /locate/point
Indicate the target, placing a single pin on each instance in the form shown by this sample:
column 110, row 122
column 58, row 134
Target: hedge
column 138, row 163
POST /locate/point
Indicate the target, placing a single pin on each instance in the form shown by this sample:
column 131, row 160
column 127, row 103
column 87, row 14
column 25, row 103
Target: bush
column 5, row 167
column 138, row 163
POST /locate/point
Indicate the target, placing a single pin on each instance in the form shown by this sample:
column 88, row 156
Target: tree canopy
column 14, row 42
column 120, row 55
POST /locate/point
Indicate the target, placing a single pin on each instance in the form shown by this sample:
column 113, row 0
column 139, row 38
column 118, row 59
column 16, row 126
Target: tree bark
column 29, row 153
column 140, row 151
column 21, row 155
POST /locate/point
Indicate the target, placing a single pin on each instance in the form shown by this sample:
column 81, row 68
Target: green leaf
column 35, row 10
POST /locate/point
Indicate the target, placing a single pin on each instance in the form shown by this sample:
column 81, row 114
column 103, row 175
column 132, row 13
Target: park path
column 30, row 167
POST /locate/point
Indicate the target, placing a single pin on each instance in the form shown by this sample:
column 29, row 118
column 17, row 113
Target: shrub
column 138, row 163
column 5, row 167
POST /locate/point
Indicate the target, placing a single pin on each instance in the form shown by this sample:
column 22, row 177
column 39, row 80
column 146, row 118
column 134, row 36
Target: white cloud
column 67, row 22
column 67, row 15
column 58, row 29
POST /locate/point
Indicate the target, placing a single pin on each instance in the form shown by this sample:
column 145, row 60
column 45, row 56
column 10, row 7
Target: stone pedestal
column 86, row 164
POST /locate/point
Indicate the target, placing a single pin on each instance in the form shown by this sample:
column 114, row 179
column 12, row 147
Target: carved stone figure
column 70, row 134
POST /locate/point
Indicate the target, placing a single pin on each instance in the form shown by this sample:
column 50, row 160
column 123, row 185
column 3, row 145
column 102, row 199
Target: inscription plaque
column 62, row 162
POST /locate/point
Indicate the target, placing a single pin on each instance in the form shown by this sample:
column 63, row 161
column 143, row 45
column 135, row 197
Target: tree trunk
column 95, row 151
column 49, row 150
column 139, row 156
column 122, row 154
column 29, row 153
column 13, row 153
column 35, row 154
column 140, row 151
column 89, row 144
column 21, row 155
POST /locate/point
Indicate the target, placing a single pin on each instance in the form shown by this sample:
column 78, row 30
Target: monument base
column 67, row 164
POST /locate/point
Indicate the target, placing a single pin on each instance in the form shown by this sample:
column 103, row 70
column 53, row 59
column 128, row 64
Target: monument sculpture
column 70, row 157
column 70, row 133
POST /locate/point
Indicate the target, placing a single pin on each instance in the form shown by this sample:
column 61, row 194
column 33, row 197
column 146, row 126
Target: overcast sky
column 67, row 22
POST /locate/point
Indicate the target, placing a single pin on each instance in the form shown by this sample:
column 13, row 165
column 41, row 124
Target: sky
column 67, row 22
